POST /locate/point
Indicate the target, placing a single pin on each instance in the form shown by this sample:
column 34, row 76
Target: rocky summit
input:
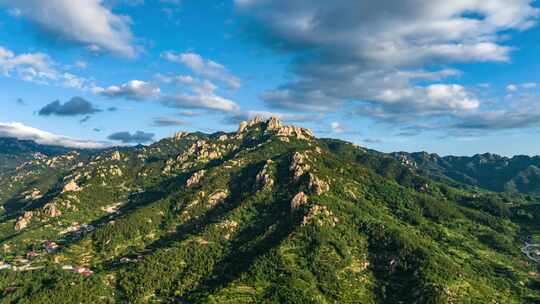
column 266, row 214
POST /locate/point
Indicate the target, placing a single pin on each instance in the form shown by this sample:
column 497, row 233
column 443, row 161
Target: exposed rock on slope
column 195, row 178
column 266, row 215
column 298, row 200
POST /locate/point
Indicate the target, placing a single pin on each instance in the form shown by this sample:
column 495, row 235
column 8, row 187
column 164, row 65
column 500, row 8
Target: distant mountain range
column 14, row 152
column 489, row 171
column 267, row 214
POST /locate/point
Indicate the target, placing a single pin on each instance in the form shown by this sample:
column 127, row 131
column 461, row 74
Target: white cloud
column 23, row 132
column 197, row 85
column 133, row 89
column 88, row 22
column 336, row 127
column 382, row 54
column 202, row 96
column 201, row 101
column 38, row 68
column 511, row 88
column 204, row 67
column 407, row 104
column 516, row 87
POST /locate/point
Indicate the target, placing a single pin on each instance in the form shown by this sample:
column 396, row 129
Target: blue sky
column 452, row 78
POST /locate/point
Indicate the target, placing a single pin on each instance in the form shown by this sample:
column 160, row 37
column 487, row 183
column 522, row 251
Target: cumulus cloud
column 204, row 67
column 528, row 117
column 86, row 22
column 138, row 137
column 75, row 106
column 201, row 94
column 23, row 132
column 410, row 103
column 201, row 101
column 384, row 54
column 135, row 90
column 38, row 68
column 197, row 85
column 167, row 122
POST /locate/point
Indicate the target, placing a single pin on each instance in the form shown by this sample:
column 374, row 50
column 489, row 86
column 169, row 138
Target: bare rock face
column 71, row 187
column 298, row 166
column 195, row 178
column 24, row 220
column 317, row 185
column 298, row 200
column 180, row 135
column 116, row 156
column 264, row 179
column 115, row 171
column 294, row 131
column 32, row 195
column 244, row 125
column 217, row 197
column 273, row 124
column 51, row 210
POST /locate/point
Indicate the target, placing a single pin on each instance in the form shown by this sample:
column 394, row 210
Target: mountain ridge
column 266, row 214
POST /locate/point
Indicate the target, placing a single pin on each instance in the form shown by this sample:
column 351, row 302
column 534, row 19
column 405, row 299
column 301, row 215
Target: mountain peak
column 274, row 126
column 244, row 125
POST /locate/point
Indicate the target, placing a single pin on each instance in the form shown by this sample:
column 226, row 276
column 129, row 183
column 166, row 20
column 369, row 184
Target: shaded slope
column 265, row 215
column 519, row 174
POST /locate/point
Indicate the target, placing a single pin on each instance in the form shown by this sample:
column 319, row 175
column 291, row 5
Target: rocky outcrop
column 229, row 226
column 116, row 156
column 317, row 186
column 245, row 125
column 195, row 178
column 24, row 220
column 217, row 197
column 180, row 135
column 298, row 165
column 320, row 215
column 263, row 179
column 242, row 127
column 115, row 171
column 71, row 187
column 32, row 195
column 51, row 210
column 294, row 131
column 298, row 200
column 273, row 124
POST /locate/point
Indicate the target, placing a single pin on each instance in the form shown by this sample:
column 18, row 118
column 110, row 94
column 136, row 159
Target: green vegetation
column 265, row 215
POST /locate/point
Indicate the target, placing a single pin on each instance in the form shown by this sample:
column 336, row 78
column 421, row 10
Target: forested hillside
column 267, row 214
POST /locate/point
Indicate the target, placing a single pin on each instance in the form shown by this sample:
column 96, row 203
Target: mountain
column 14, row 152
column 519, row 174
column 267, row 214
